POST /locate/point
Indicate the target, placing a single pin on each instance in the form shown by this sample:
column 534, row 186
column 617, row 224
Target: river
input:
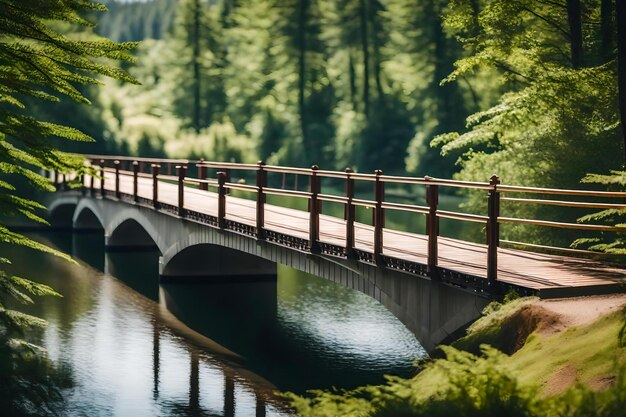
column 137, row 347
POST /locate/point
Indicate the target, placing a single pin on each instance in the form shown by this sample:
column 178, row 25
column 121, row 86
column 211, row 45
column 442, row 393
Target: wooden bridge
column 212, row 220
column 165, row 185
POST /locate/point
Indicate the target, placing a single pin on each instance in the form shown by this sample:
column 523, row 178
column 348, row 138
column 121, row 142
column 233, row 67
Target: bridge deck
column 548, row 275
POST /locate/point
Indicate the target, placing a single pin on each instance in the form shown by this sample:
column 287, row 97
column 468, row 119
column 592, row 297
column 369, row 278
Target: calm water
column 137, row 348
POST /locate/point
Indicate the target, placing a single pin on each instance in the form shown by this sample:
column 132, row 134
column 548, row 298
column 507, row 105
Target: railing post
column 221, row 199
column 261, row 182
column 202, row 175
column 155, row 185
column 83, row 187
column 379, row 217
column 64, row 182
column 314, row 211
column 493, row 230
column 102, row 178
column 181, row 170
column 116, row 165
column 92, row 179
column 349, row 214
column 135, row 181
column 227, row 179
column 55, row 178
column 432, row 225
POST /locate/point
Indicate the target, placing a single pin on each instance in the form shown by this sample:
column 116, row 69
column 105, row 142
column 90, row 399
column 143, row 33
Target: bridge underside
column 432, row 310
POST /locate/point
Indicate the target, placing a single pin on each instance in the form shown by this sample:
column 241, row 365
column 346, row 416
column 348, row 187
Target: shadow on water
column 298, row 332
column 301, row 332
column 89, row 248
column 139, row 270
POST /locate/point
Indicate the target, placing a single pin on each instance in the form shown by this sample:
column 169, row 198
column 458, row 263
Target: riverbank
column 556, row 343
column 526, row 357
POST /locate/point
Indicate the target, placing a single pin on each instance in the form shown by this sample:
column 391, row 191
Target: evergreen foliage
column 37, row 63
column 613, row 243
column 303, row 81
column 369, row 84
column 557, row 118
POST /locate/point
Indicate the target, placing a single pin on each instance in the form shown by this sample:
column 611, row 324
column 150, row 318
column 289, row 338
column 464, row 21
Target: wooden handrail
column 562, row 225
column 288, row 193
column 199, row 181
column 227, row 165
column 332, row 198
column 578, row 204
column 243, row 187
column 363, row 203
column 287, row 170
column 134, row 167
column 406, row 207
column 558, row 191
column 462, row 216
column 137, row 158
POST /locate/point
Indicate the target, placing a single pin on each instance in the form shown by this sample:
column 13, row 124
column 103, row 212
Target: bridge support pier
column 214, row 262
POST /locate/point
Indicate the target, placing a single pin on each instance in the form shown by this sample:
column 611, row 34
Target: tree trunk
column 377, row 30
column 352, row 75
column 576, row 32
column 366, row 58
column 620, row 14
column 196, row 65
column 606, row 32
column 302, row 20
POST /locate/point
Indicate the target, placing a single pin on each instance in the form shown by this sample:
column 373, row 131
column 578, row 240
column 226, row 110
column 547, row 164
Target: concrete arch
column 209, row 260
column 130, row 234
column 85, row 214
column 128, row 228
column 61, row 213
column 87, row 220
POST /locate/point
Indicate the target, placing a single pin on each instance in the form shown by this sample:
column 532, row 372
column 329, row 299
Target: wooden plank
column 531, row 270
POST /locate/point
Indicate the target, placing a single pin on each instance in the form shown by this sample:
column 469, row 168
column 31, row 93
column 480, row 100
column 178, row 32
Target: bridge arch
column 86, row 219
column 129, row 228
column 131, row 234
column 88, row 215
column 210, row 260
column 61, row 213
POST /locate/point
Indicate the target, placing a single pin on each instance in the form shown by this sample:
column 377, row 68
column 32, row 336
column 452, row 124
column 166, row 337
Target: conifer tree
column 37, row 62
column 199, row 90
column 558, row 118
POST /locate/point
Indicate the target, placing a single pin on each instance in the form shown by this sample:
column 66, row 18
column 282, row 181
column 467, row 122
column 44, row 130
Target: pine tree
column 37, row 62
column 558, row 117
column 199, row 90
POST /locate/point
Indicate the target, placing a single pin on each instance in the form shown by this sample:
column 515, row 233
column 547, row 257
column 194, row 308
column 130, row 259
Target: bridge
column 207, row 224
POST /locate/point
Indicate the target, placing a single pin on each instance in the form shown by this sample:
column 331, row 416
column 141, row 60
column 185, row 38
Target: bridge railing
column 178, row 171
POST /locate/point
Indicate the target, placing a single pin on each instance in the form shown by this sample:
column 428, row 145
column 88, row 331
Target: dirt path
column 578, row 311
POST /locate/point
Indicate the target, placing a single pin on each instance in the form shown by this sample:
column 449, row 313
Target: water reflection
column 137, row 348
column 138, row 270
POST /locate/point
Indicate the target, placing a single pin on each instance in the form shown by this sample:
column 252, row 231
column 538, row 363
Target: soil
column 560, row 314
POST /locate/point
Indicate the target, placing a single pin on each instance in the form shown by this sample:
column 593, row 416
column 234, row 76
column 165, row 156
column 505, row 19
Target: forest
column 524, row 89
column 531, row 90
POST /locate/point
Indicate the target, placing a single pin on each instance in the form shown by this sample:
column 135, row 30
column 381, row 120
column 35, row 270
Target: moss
column 503, row 326
column 592, row 350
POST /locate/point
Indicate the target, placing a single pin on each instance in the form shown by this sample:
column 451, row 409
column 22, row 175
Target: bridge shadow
column 137, row 269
